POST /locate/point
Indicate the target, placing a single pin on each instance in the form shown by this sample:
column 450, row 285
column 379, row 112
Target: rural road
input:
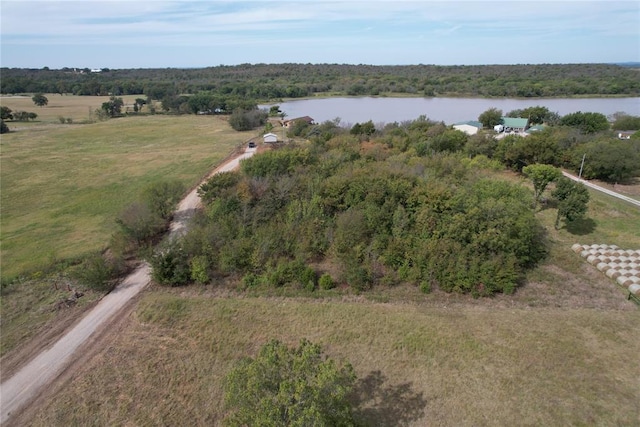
column 602, row 189
column 28, row 382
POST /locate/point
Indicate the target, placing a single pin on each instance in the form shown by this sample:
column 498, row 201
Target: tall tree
column 541, row 175
column 490, row 118
column 113, row 107
column 289, row 387
column 6, row 113
column 40, row 100
column 573, row 199
column 586, row 122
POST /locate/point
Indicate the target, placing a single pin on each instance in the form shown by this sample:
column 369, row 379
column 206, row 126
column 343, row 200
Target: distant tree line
column 276, row 81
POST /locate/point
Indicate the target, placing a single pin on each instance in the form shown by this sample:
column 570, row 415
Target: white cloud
column 365, row 25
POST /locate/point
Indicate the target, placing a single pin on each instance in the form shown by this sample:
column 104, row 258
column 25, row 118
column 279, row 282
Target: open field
column 78, row 108
column 417, row 365
column 63, row 186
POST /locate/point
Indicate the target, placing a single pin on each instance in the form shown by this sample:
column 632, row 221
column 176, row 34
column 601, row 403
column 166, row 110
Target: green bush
column 162, row 197
column 97, row 272
column 326, row 282
column 200, row 269
column 170, row 265
column 289, row 387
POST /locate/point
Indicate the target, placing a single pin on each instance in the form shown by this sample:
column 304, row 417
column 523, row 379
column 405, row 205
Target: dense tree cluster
column 275, row 81
column 410, row 205
column 406, row 207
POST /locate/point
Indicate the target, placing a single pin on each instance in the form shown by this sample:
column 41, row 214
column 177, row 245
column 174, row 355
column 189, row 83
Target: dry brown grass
column 418, row 364
column 78, row 108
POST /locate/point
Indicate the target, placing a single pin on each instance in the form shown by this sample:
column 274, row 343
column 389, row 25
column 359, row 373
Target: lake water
column 448, row 110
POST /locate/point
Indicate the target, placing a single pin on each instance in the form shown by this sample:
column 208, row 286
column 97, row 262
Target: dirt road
column 28, row 382
column 602, row 189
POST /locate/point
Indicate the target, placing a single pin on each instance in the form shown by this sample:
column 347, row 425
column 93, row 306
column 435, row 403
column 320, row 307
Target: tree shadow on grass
column 581, row 227
column 380, row 404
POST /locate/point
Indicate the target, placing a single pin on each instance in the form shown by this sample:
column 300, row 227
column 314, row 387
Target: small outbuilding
column 470, row 127
column 270, row 138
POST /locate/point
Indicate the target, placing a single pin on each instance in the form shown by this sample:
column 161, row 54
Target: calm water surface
column 448, row 110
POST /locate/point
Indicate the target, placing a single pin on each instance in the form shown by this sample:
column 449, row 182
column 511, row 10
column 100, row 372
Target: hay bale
column 584, row 253
column 624, row 272
column 613, row 273
column 603, row 266
column 592, row 258
column 577, row 248
column 634, row 289
column 614, row 265
column 624, row 281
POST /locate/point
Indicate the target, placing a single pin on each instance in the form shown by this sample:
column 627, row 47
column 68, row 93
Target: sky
column 193, row 34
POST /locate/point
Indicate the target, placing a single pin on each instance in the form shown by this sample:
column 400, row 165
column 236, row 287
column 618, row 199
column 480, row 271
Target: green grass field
column 63, row 186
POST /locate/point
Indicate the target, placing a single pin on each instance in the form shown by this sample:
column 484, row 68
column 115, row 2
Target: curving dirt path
column 31, row 380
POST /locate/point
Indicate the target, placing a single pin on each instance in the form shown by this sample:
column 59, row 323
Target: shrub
column 289, row 387
column 170, row 266
column 326, row 282
column 139, row 223
column 97, row 272
column 162, row 197
column 200, row 269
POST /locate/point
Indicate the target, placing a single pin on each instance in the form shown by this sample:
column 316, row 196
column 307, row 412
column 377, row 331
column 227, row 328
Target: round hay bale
column 584, row 254
column 624, row 281
column 603, row 266
column 633, row 272
column 602, row 246
column 624, row 272
column 630, row 252
column 634, row 289
column 635, row 279
column 624, row 260
column 592, row 258
column 613, row 247
column 577, row 248
column 634, row 265
column 614, row 265
column 603, row 258
column 612, row 273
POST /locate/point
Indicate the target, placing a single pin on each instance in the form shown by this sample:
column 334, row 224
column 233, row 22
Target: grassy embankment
column 63, row 186
column 561, row 351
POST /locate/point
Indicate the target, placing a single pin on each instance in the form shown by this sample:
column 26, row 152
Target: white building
column 470, row 128
column 270, row 137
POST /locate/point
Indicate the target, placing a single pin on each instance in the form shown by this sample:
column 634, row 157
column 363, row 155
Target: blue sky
column 146, row 34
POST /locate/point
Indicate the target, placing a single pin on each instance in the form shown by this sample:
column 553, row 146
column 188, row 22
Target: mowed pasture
column 417, row 364
column 64, row 185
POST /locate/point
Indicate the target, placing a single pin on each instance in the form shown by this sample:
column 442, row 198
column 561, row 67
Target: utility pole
column 582, row 165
